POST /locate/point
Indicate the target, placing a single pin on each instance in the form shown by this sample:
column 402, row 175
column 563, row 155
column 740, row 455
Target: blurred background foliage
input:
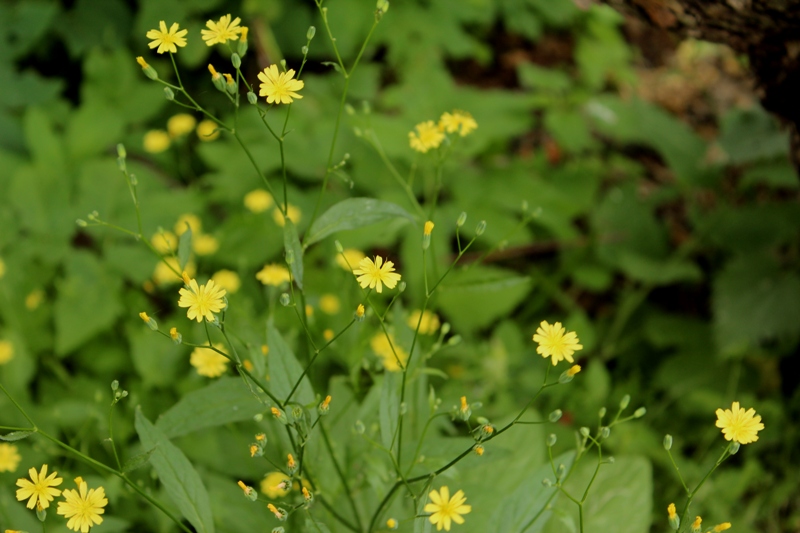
column 664, row 231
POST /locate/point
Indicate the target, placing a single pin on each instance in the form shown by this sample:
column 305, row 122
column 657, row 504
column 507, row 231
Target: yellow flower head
column 275, row 275
column 165, row 242
column 204, row 244
column 671, row 511
column 290, row 462
column 426, row 137
column 293, row 212
column 739, row 425
column 328, row 334
column 428, row 228
column 554, row 342
column 40, row 489
column 142, row 62
column 270, row 485
column 376, row 274
column 164, row 275
column 243, row 34
column 445, row 509
column 174, row 334
column 722, row 527
column 574, row 369
column 360, row 311
column 207, row 130
column 6, row 352
column 156, row 141
column 209, row 363
column 391, row 523
column 9, row 457
column 697, row 524
column 479, row 450
column 279, row 87
column 192, row 220
column 221, row 31
column 214, row 74
column 258, row 201
column 228, row 280
column 166, row 41
column 458, row 121
column 83, row 507
column 349, row 259
column 326, row 402
column 180, row 124
column 329, row 304
column 203, row 301
column 430, row 321
column 389, row 351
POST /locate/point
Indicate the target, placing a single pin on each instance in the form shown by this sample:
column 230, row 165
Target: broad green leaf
column 285, row 370
column 226, row 400
column 180, row 479
column 659, row 272
column 185, row 247
column 93, row 128
column 294, row 251
column 16, row 435
column 137, row 461
column 751, row 135
column 351, row 214
column 389, row 409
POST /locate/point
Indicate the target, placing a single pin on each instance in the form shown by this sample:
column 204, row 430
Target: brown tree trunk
column 767, row 31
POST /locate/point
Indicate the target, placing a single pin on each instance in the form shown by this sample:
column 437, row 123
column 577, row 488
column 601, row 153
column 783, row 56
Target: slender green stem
column 111, row 435
column 342, row 477
column 253, row 161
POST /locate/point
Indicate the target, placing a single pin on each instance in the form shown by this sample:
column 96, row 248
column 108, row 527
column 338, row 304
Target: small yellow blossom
column 428, row 228
column 142, row 62
column 294, row 215
column 376, row 274
column 445, row 509
column 34, row 299
column 382, row 346
column 739, row 425
column 722, row 527
column 426, row 137
column 145, row 317
column 83, row 507
column 306, row 495
column 275, row 275
column 228, row 280
column 173, row 334
column 221, row 31
column 248, row 491
column 349, row 259
column 258, row 201
column 165, row 242
column 166, row 41
column 697, row 525
column 279, row 87
column 202, row 301
column 204, row 244
column 164, row 275
column 207, row 130
column 6, row 352
column 208, row 362
column 309, row 311
column 329, row 304
column 671, row 511
column 40, row 489
column 574, row 369
column 290, row 462
column 554, row 343
column 192, row 220
column 180, row 124
column 360, row 311
column 328, row 335
column 391, row 523
column 429, row 324
column 155, row 141
column 9, row 457
column 264, row 349
column 479, row 450
column 271, row 485
column 459, row 121
column 276, row 412
column 326, row 403
column 243, row 34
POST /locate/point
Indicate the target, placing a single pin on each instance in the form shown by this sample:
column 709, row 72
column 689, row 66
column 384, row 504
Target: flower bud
column 236, row 60
column 311, row 32
column 241, row 47
column 147, row 69
column 41, row 514
column 551, row 440
column 279, row 415
column 283, row 65
column 249, row 492
column 546, row 482
column 640, row 412
column 478, row 449
column 602, row 412
column 668, row 442
column 121, row 164
column 697, row 524
column 81, row 223
column 481, row 227
column 359, row 427
column 381, row 7
column 359, row 314
column 230, row 85
column 114, row 385
column 304, row 50
column 285, row 299
column 623, row 404
column 324, row 406
column 149, row 321
column 297, row 412
column 121, row 151
column 672, row 515
column 555, row 416
column 584, row 431
column 462, row 219
column 278, row 529
column 279, row 513
column 339, row 247
column 391, row 523
column 168, row 94
column 176, row 337
column 734, row 448
column 605, row 432
column 455, row 340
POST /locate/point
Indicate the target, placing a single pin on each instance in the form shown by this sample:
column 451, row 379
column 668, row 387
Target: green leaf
column 291, row 243
column 180, row 479
column 389, row 408
column 93, row 128
column 752, row 135
column 16, row 435
column 185, row 246
column 285, row 370
column 333, row 64
column 137, row 461
column 226, row 400
column 351, row 214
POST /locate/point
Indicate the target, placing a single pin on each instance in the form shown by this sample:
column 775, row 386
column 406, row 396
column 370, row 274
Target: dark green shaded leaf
column 285, row 370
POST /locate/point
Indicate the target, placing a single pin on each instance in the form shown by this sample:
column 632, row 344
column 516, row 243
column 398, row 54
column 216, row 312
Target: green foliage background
column 680, row 277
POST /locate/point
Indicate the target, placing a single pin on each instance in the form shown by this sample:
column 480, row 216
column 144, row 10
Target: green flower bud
column 114, row 385
column 236, row 60
column 81, row 223
column 555, row 416
column 640, row 412
column 462, row 218
column 285, row 299
column 734, row 447
column 561, row 470
column 41, row 514
column 584, row 431
column 547, row 483
column 304, row 50
column 169, row 94
column 339, row 247
column 311, row 32
column 551, row 440
column 121, row 164
column 605, row 432
column 359, row 427
column 668, row 442
column 252, row 98
column 121, row 152
column 480, row 228
column 602, row 412
column 623, row 404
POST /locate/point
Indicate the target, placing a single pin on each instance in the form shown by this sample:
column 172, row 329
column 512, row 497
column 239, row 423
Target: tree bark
column 767, row 31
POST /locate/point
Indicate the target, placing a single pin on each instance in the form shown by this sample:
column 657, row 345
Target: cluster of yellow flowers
column 178, row 126
column 429, row 135
column 82, row 507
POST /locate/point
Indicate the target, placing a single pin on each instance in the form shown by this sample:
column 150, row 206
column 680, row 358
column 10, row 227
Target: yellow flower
column 382, row 346
column 243, row 34
column 221, row 31
column 294, row 215
column 2, row 268
column 167, row 40
column 671, row 511
column 553, row 342
column 697, row 524
column 391, row 523
column 142, row 62
column 163, row 275
column 279, row 87
column 722, row 527
column 328, row 335
column 446, row 509
column 574, row 369
column 208, row 362
column 6, row 352
column 39, row 489
column 275, row 275
column 83, row 508
column 228, row 280
column 349, row 259
column 329, row 304
column 192, row 220
column 428, row 229
column 460, row 121
column 203, row 301
column 376, row 274
column 430, row 321
column 165, row 242
column 427, row 136
column 360, row 311
column 207, row 130
column 739, row 425
column 270, row 488
column 180, row 124
column 9, row 458
column 258, row 201
column 155, row 141
column 174, row 334
column 203, row 244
